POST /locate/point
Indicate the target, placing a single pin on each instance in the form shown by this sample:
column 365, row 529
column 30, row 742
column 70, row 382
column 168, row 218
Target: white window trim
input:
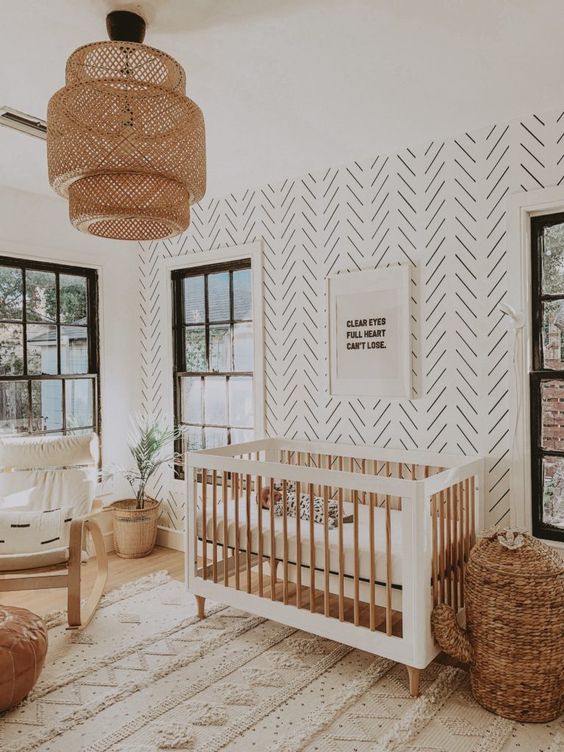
column 521, row 207
column 252, row 251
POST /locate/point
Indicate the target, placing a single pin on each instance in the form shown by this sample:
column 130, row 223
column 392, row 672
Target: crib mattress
column 319, row 534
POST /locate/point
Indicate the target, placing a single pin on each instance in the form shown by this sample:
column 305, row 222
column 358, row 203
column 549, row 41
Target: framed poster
column 369, row 330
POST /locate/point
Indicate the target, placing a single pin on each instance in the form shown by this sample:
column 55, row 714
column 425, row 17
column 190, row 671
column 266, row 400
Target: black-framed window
column 213, row 354
column 547, row 376
column 49, row 363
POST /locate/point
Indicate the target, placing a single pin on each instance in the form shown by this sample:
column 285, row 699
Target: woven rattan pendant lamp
column 125, row 145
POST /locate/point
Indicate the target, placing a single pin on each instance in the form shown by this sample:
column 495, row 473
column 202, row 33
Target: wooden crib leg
column 413, row 674
column 274, row 570
column 200, row 604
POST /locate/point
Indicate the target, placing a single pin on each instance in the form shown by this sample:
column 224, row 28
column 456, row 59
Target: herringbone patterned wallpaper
column 439, row 207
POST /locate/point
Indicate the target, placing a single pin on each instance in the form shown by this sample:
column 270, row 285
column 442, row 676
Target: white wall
column 37, row 227
column 439, row 207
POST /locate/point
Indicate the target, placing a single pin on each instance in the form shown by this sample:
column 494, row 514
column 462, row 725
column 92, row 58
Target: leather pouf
column 23, row 647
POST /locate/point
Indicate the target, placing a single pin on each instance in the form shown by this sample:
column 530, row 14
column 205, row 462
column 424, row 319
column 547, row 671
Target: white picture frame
column 369, row 333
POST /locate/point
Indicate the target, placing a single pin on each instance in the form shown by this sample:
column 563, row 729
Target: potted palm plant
column 135, row 520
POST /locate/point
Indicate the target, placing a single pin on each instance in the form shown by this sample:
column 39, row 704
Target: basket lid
column 517, row 553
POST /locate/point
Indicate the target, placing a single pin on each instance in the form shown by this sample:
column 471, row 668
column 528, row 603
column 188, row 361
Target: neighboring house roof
column 68, row 332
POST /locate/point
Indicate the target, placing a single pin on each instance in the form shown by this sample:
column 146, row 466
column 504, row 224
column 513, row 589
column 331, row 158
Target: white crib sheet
column 348, row 538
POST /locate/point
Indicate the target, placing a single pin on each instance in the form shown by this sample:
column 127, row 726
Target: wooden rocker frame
column 51, row 577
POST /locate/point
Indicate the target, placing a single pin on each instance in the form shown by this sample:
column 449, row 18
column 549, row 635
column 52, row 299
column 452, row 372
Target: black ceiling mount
column 125, row 26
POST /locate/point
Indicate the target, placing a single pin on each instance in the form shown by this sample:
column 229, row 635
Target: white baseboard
column 170, row 538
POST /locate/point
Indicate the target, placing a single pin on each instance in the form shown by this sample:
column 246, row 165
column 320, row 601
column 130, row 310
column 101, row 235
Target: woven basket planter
column 135, row 530
column 514, row 640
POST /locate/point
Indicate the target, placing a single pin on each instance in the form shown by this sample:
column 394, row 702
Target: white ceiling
column 289, row 86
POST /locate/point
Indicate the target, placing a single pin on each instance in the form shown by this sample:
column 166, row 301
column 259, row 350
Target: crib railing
column 432, row 499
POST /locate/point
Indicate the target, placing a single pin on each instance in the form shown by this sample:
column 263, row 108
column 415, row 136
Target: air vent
column 22, row 122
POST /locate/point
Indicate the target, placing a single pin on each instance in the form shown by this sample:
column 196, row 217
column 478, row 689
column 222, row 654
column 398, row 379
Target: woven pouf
column 514, row 640
column 23, row 647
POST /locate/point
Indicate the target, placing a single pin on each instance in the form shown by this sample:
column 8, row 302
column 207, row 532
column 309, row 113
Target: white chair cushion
column 34, row 532
column 13, row 562
column 35, row 452
column 40, row 490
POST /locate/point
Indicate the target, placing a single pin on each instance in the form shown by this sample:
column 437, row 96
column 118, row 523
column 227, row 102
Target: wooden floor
column 121, row 571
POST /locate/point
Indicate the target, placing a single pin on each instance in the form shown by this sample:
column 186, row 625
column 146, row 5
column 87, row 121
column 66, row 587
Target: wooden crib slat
column 214, row 525
column 434, row 548
column 455, row 544
column 473, row 511
column 285, row 532
column 235, row 496
column 447, row 574
column 205, row 523
column 248, row 529
column 298, row 546
column 341, row 552
column 356, row 560
column 388, row 568
column 442, row 562
column 272, row 544
column 311, row 551
column 467, row 519
column 224, row 498
column 450, row 561
column 258, row 486
column 326, row 549
column 372, row 563
column 461, row 541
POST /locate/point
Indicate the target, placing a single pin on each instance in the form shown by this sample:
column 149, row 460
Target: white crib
column 370, row 583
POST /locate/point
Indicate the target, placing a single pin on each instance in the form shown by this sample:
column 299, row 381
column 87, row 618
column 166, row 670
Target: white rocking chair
column 47, row 489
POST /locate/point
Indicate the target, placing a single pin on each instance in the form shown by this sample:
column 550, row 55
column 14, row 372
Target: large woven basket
column 514, row 640
column 135, row 530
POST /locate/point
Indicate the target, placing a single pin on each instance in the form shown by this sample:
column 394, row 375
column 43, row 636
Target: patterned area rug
column 147, row 676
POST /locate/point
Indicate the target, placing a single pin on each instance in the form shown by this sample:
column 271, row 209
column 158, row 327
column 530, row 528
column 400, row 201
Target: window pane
column 41, row 296
column 242, row 301
column 218, row 297
column 553, row 496
column 553, row 260
column 73, row 299
column 41, row 348
column 11, row 349
column 74, row 349
column 47, row 405
column 191, row 401
column 238, row 435
column 193, row 438
column 553, row 335
column 11, row 293
column 243, row 342
column 196, row 348
column 78, row 399
column 241, row 401
column 220, row 348
column 194, row 302
column 14, row 407
column 215, row 437
column 552, row 405
column 215, row 400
